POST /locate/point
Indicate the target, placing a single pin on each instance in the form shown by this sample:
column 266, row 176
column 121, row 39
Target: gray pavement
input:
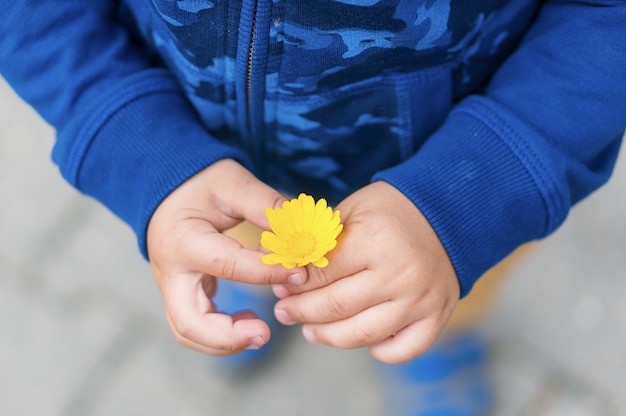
column 83, row 331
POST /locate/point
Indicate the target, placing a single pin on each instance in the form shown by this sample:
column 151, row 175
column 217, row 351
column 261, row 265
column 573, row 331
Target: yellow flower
column 302, row 232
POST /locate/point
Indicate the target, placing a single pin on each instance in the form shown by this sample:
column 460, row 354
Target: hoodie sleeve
column 507, row 165
column 126, row 134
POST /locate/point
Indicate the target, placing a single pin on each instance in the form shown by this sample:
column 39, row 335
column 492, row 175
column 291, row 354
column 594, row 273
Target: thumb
column 256, row 197
column 241, row 194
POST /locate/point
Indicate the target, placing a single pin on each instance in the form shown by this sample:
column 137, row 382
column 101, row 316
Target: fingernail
column 256, row 343
column 296, row 279
column 281, row 292
column 283, row 317
column 309, row 335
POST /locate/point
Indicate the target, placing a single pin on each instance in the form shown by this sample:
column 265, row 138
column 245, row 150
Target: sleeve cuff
column 481, row 185
column 138, row 147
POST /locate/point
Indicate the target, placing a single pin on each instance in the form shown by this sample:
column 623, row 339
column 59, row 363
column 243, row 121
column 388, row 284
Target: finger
column 247, row 197
column 196, row 324
column 221, row 256
column 408, row 343
column 369, row 327
column 221, row 351
column 255, row 212
column 340, row 300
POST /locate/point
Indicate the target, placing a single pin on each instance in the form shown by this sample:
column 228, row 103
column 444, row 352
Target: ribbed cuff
column 479, row 185
column 139, row 148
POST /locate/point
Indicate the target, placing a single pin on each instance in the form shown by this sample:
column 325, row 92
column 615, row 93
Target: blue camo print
column 337, row 89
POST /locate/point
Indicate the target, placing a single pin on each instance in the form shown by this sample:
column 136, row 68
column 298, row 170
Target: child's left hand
column 390, row 285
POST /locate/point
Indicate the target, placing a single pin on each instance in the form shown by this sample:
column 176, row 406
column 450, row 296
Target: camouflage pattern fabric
column 324, row 93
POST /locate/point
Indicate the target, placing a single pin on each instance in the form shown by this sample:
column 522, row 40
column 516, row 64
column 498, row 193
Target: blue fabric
column 232, row 297
column 493, row 117
column 450, row 379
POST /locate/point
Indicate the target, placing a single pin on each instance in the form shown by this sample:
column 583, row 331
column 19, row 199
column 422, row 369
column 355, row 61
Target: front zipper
column 252, row 55
column 249, row 69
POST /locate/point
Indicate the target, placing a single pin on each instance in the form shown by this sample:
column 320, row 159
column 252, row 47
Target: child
column 448, row 133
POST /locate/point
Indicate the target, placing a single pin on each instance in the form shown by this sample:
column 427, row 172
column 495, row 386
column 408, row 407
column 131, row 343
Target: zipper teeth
column 250, row 56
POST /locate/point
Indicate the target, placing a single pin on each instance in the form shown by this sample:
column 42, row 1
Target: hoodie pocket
column 343, row 136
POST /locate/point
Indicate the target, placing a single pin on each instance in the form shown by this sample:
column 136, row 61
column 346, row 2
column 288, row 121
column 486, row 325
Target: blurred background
column 83, row 330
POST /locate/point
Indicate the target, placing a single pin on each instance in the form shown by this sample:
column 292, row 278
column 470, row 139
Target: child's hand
column 187, row 251
column 389, row 286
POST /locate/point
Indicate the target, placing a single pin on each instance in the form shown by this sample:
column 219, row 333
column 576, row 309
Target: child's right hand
column 188, row 251
column 390, row 285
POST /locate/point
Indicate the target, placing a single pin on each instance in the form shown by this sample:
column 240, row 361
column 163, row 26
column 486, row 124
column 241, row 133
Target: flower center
column 301, row 245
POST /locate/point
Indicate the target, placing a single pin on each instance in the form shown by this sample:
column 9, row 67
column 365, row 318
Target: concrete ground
column 83, row 332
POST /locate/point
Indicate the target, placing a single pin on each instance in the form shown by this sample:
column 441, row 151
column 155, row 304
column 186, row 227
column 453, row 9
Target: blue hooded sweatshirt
column 494, row 117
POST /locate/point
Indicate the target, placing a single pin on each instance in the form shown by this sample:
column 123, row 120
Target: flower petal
column 327, row 246
column 308, row 213
column 330, row 234
column 303, row 231
column 291, row 215
column 322, row 217
column 272, row 242
column 321, row 262
column 278, row 224
column 272, row 258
